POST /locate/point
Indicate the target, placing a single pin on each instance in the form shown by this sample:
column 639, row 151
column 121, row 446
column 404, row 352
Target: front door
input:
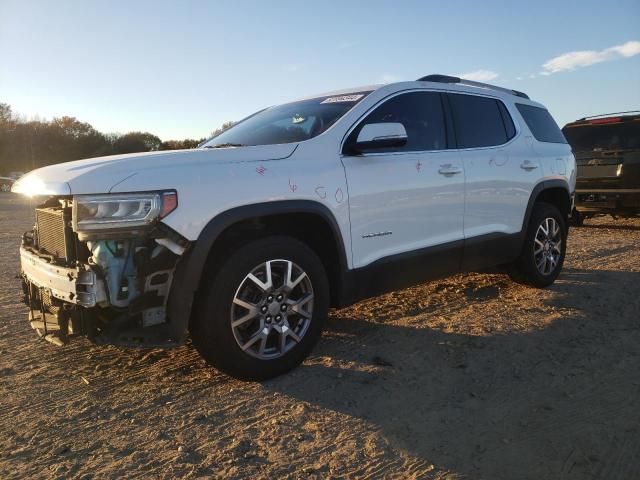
column 405, row 199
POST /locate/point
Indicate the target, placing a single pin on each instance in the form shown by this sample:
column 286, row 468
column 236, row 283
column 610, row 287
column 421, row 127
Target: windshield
column 611, row 136
column 288, row 123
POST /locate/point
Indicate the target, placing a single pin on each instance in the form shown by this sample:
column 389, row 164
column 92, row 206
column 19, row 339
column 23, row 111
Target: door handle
column 528, row 165
column 449, row 170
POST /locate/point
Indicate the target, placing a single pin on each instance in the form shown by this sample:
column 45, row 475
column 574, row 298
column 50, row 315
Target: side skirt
column 432, row 263
column 401, row 271
column 491, row 250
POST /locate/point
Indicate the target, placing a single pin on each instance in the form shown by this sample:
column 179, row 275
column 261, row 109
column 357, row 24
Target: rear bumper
column 608, row 200
column 78, row 286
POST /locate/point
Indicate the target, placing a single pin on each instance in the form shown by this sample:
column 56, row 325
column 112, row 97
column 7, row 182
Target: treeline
column 25, row 145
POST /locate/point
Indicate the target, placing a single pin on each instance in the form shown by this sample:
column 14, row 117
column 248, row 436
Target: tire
column 526, row 269
column 231, row 295
column 5, row 187
column 577, row 219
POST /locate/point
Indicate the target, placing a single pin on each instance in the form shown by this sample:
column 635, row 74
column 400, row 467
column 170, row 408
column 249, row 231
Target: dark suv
column 607, row 151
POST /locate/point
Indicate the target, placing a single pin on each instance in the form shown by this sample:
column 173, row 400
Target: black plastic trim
column 537, row 190
column 490, row 250
column 452, row 142
column 401, row 271
column 438, row 78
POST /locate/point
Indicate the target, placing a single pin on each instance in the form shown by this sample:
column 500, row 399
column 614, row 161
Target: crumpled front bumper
column 79, row 285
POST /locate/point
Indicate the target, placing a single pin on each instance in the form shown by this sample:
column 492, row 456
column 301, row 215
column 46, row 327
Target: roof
column 437, row 81
column 628, row 112
column 438, row 78
column 606, row 118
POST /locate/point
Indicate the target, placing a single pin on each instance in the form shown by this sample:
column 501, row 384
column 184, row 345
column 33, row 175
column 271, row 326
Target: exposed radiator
column 54, row 235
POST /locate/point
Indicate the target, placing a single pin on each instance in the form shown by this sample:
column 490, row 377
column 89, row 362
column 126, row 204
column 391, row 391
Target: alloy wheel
column 272, row 309
column 547, row 246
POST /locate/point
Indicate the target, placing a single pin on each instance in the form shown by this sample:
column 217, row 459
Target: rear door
column 501, row 170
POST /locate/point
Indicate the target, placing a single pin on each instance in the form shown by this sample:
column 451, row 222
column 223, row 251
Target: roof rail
column 438, row 78
column 607, row 114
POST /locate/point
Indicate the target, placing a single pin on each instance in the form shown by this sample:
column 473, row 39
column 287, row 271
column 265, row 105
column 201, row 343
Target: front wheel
column 544, row 248
column 262, row 312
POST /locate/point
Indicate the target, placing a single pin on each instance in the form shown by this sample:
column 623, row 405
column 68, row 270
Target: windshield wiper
column 224, row 145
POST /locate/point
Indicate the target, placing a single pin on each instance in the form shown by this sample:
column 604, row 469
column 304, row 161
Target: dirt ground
column 471, row 377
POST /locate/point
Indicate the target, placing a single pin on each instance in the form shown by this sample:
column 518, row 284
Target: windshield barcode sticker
column 343, row 98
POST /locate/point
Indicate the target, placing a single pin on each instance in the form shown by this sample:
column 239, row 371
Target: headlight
column 121, row 211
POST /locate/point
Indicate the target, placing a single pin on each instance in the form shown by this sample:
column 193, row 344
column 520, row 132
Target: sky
column 181, row 69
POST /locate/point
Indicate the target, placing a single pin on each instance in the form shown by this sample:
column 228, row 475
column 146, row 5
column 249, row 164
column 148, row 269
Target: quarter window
column 541, row 124
column 421, row 114
column 480, row 121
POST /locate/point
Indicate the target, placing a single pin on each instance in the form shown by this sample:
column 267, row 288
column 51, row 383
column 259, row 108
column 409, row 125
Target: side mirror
column 380, row 135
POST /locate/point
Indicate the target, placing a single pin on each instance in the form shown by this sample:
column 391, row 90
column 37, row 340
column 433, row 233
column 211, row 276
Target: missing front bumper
column 78, row 286
column 70, row 301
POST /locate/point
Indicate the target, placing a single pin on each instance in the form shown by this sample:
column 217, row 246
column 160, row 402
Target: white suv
column 245, row 242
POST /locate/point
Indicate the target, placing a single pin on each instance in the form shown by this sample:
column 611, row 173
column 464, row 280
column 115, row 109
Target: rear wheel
column 263, row 310
column 544, row 248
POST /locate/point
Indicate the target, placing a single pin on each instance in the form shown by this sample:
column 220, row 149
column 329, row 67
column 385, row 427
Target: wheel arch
column 555, row 192
column 226, row 229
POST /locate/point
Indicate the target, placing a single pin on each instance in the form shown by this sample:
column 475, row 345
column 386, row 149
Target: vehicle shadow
column 612, row 252
column 561, row 400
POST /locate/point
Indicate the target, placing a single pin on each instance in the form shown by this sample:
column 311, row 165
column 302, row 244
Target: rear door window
column 480, row 121
column 542, row 125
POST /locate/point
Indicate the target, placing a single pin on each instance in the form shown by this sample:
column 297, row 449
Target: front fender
column 191, row 267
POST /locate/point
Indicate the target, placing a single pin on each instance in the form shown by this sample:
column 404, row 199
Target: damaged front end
column 103, row 266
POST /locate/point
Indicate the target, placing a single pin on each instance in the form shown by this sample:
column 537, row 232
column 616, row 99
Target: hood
column 102, row 174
